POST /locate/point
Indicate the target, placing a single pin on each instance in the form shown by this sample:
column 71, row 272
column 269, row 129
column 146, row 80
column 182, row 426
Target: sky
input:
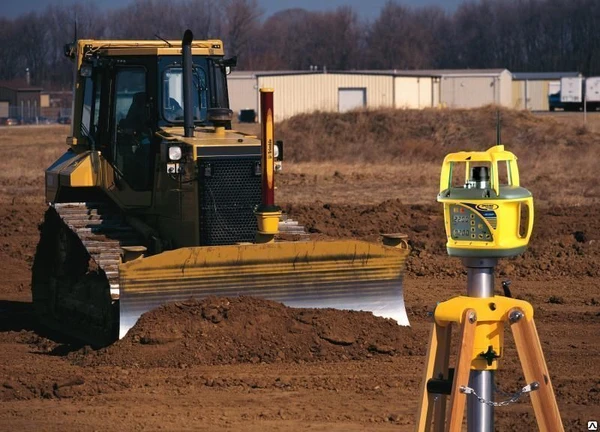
column 368, row 9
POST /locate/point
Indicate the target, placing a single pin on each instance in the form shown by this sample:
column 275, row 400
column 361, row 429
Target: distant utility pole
column 584, row 107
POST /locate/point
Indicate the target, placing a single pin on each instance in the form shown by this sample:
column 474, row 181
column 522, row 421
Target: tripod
column 482, row 317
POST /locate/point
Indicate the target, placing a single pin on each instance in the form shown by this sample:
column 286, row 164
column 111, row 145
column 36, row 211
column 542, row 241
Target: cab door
column 132, row 122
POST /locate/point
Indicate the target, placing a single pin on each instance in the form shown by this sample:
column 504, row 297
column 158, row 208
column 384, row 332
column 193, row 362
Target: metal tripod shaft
column 480, row 283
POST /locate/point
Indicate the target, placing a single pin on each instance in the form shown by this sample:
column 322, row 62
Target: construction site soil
column 253, row 365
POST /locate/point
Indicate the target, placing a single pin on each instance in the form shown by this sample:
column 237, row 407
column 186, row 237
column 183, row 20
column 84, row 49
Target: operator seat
column 136, row 117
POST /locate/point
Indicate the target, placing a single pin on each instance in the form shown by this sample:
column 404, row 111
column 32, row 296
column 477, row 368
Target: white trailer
column 592, row 93
column 571, row 90
column 575, row 92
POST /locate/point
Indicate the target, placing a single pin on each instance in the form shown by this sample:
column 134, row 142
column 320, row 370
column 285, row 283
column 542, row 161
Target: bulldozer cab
column 151, row 136
column 126, row 94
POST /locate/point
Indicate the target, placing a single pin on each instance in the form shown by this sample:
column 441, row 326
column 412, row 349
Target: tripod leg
column 462, row 371
column 534, row 368
column 441, row 368
column 426, row 405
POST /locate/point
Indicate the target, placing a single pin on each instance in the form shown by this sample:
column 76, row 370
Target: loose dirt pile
column 221, row 330
column 565, row 240
column 390, row 135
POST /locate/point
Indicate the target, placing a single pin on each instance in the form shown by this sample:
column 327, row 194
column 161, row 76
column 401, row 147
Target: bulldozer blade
column 352, row 275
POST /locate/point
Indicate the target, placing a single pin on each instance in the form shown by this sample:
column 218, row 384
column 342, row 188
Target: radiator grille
column 229, row 191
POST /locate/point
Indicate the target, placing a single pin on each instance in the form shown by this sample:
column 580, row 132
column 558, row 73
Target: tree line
column 520, row 35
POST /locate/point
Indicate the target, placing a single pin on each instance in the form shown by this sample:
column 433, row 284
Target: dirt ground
column 247, row 364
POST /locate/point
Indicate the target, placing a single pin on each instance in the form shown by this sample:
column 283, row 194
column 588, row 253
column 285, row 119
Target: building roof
column 390, row 72
column 254, row 74
column 532, row 76
column 19, row 85
column 451, row 72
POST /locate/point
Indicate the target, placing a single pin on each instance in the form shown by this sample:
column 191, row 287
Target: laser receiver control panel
column 467, row 222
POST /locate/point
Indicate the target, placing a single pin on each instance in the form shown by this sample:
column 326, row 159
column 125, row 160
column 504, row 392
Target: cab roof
column 210, row 47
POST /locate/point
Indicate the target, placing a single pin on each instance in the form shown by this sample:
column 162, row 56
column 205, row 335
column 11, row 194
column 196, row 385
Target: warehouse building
column 531, row 89
column 20, row 100
column 299, row 92
column 305, row 92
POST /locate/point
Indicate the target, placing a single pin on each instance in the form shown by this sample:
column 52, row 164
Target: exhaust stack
column 188, row 104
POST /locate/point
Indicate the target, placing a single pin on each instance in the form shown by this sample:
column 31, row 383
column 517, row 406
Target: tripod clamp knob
column 490, row 355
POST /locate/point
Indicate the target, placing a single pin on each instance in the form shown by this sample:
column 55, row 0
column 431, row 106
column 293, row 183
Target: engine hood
column 209, row 137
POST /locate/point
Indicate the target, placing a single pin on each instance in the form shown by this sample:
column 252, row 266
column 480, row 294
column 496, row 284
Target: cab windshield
column 172, row 87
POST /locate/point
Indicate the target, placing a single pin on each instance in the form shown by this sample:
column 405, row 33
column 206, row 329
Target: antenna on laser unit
column 498, row 126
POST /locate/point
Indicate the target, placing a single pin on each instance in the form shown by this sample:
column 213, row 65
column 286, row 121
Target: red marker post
column 268, row 159
column 267, row 213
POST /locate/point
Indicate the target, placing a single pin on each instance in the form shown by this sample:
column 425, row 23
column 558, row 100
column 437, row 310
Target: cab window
column 131, row 114
column 172, row 86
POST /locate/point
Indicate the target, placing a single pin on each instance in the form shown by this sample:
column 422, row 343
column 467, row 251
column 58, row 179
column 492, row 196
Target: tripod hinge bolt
column 472, row 317
column 515, row 316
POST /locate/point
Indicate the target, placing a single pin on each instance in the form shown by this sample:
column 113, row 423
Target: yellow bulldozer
column 157, row 199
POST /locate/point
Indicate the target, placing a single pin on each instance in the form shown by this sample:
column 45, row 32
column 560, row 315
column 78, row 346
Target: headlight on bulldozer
column 175, row 153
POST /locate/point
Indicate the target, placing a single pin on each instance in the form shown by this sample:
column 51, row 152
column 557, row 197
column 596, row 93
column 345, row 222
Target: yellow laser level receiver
column 486, row 212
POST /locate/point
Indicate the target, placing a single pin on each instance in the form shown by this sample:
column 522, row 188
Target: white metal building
column 305, row 92
column 308, row 91
column 243, row 88
column 336, row 92
column 416, row 92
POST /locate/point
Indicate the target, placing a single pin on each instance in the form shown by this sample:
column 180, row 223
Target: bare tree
column 10, row 51
column 31, row 39
column 434, row 27
column 144, row 19
column 282, row 41
column 203, row 17
column 521, row 35
column 396, row 40
column 337, row 39
column 241, row 19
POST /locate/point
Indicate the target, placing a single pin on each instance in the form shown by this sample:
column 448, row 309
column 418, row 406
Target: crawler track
column 75, row 282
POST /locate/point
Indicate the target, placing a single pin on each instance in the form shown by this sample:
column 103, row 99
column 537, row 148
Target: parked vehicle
column 554, row 102
column 44, row 120
column 573, row 92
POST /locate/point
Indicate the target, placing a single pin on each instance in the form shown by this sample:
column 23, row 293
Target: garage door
column 351, row 98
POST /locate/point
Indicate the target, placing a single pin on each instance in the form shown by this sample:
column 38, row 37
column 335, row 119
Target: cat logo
column 487, row 207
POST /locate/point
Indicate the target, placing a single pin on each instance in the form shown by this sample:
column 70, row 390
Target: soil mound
column 220, row 330
column 385, row 135
column 350, row 220
column 565, row 240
